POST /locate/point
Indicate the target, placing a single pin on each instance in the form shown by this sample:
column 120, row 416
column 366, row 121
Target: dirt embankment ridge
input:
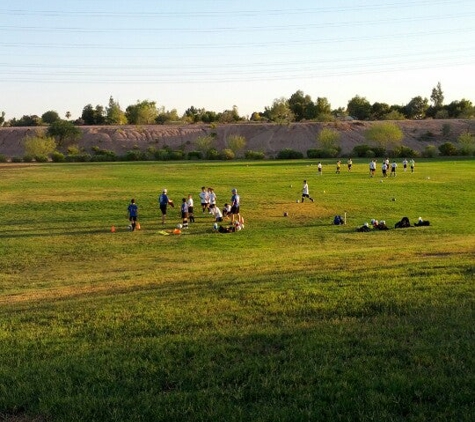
column 267, row 137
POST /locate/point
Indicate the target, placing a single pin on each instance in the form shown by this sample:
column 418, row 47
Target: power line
column 253, row 12
column 241, row 28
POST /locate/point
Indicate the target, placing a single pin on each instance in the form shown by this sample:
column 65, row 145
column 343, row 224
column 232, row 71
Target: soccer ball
column 297, row 201
column 179, row 226
column 215, row 226
column 129, row 227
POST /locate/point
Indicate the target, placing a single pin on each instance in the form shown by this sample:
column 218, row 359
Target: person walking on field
column 305, row 193
column 338, row 167
column 133, row 213
column 412, row 163
column 320, row 168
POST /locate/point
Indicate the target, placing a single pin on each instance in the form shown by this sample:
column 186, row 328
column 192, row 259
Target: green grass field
column 290, row 319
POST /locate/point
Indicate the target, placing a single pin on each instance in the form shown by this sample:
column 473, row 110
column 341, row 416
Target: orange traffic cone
column 113, row 229
column 137, row 226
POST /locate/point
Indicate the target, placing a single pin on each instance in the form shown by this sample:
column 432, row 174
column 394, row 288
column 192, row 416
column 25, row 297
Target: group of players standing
column 208, row 201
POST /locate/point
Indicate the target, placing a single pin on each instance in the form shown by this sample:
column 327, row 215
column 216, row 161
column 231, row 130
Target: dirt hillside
column 269, row 138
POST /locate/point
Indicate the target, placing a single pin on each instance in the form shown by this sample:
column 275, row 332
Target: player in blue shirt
column 133, row 213
column 163, row 202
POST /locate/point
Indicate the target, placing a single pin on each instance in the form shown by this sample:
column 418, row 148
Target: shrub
column 3, row 158
column 446, row 129
column 442, row 114
column 58, row 157
column 161, row 154
column 448, row 149
column 379, row 151
column 17, row 159
column 370, row 153
column 104, row 155
column 394, row 115
column 28, row 158
column 430, row 151
column 289, row 153
column 176, row 155
column 254, row 155
column 323, row 153
column 194, row 155
column 78, row 158
column 212, row 154
column 73, row 150
column 467, row 144
column 236, row 143
column 134, row 155
column 360, row 150
column 385, row 135
column 227, row 154
column 37, row 145
column 404, row 151
column 41, row 158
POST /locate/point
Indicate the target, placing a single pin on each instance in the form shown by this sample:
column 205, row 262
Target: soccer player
column 235, row 205
column 184, row 212
column 393, row 168
column 204, row 198
column 163, row 202
column 305, row 193
column 190, row 208
column 133, row 213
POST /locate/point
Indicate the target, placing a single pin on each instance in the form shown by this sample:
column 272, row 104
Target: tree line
column 298, row 107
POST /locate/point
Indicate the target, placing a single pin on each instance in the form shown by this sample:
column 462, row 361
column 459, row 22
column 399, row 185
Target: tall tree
column 359, row 108
column 322, row 106
column 229, row 116
column 416, row 108
column 299, row 104
column 437, row 96
column 93, row 116
column 143, row 113
column 379, row 111
column 63, row 131
column 280, row 111
column 49, row 117
column 114, row 114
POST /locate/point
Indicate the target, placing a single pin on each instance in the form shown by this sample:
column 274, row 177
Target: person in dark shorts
column 133, row 213
column 163, row 202
column 305, row 193
column 184, row 212
column 204, row 199
column 235, row 205
column 191, row 216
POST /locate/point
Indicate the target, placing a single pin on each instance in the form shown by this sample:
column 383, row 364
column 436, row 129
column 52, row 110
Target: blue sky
column 63, row 55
